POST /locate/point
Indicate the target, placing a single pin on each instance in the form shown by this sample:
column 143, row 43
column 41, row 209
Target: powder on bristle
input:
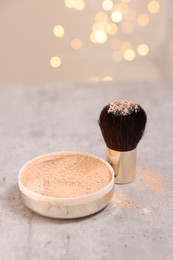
column 123, row 107
column 122, row 124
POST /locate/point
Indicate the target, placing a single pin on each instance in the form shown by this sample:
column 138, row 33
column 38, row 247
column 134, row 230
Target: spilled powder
column 65, row 176
column 123, row 107
column 126, row 203
column 119, row 200
column 151, row 181
column 146, row 211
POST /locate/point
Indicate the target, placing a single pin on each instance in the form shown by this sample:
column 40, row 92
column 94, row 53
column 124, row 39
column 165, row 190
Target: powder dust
column 64, row 176
column 123, row 107
column 151, row 181
column 119, row 200
column 127, row 203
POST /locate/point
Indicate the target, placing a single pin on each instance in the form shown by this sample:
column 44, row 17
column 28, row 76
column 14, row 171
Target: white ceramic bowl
column 67, row 207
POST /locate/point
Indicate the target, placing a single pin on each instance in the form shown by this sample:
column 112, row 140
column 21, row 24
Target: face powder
column 66, row 184
column 65, row 175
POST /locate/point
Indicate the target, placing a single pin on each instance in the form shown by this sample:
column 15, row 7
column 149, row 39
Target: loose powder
column 149, row 182
column 152, row 181
column 123, row 202
column 65, row 175
column 123, row 107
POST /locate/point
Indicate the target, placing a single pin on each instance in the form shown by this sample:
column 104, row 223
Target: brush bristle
column 122, row 124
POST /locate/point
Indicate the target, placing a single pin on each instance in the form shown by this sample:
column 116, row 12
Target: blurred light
column 55, row 61
column 126, row 45
column 101, row 17
column 125, row 1
column 153, row 7
column 116, row 16
column 76, row 4
column 97, row 26
column 76, row 44
column 129, row 55
column 100, row 26
column 127, row 27
column 117, row 56
column 111, row 28
column 94, row 79
column 92, row 38
column 143, row 49
column 58, row 31
column 143, row 19
column 130, row 15
column 115, row 43
column 70, row 3
column 100, row 36
column 122, row 7
column 107, row 5
column 107, row 78
column 80, row 5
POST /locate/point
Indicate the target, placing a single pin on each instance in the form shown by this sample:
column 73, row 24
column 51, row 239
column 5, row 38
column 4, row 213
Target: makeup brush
column 122, row 124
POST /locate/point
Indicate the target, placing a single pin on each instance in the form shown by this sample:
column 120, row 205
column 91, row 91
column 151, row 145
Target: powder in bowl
column 65, row 175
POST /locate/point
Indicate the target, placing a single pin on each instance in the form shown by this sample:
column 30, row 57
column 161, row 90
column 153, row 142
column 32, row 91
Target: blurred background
column 85, row 40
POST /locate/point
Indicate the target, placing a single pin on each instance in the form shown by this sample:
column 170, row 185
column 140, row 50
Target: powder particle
column 123, row 202
column 123, row 107
column 146, row 211
column 151, row 181
column 64, row 176
column 127, row 203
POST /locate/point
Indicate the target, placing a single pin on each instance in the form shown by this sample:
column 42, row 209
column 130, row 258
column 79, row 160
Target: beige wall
column 27, row 43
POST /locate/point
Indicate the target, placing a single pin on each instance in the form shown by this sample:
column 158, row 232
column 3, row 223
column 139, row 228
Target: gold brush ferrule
column 124, row 165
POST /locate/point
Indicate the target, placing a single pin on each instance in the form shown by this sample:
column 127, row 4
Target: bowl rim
column 72, row 200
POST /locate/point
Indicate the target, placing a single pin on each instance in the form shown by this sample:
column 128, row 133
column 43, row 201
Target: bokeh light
column 92, row 38
column 99, row 26
column 143, row 19
column 143, row 49
column 107, row 5
column 111, row 28
column 55, row 61
column 126, row 45
column 78, row 5
column 129, row 55
column 122, row 7
column 107, row 78
column 58, row 31
column 125, row 1
column 100, row 36
column 153, row 7
column 117, row 16
column 70, row 3
column 101, row 17
column 76, row 44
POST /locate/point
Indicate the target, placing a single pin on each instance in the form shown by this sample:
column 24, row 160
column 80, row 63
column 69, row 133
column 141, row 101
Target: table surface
column 137, row 224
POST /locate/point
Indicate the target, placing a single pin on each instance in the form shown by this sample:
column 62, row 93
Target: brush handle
column 124, row 165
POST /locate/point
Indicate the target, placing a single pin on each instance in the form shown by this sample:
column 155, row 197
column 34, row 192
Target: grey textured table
column 39, row 119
